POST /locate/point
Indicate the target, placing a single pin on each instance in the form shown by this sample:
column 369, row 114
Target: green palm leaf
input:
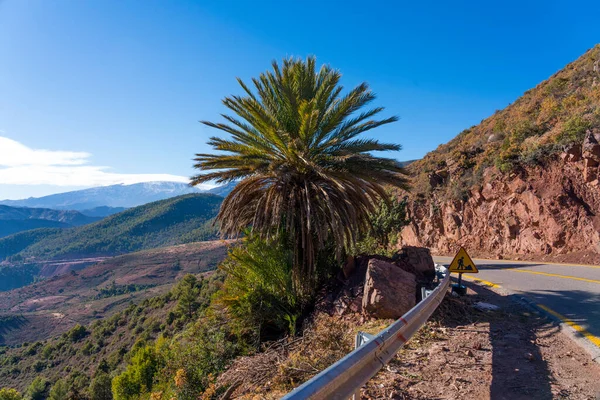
column 303, row 169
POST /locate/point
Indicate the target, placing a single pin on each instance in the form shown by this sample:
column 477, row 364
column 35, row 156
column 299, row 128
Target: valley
column 46, row 252
column 54, row 305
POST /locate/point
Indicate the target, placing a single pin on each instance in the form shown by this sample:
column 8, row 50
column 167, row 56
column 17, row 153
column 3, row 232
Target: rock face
column 389, row 291
column 554, row 209
column 418, row 261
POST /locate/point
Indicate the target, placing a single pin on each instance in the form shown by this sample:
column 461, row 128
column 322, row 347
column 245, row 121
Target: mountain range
column 94, row 200
column 17, row 219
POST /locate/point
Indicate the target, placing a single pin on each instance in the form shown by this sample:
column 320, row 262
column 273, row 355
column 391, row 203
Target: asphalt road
column 573, row 291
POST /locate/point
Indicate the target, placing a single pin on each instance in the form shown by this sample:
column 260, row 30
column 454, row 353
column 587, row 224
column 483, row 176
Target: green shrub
column 100, row 388
column 386, row 223
column 37, row 389
column 259, row 291
column 77, row 333
column 47, row 351
column 59, row 391
column 139, row 375
column 574, row 130
column 38, row 366
column 204, row 350
column 9, row 394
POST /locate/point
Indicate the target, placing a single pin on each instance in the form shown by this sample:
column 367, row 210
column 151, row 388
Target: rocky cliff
column 522, row 184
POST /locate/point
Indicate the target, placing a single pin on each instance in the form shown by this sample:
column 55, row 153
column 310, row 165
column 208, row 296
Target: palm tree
column 303, row 172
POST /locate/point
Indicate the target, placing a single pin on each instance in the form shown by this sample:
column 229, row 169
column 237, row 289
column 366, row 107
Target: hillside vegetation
column 168, row 222
column 18, row 219
column 52, row 306
column 87, row 356
column 546, row 119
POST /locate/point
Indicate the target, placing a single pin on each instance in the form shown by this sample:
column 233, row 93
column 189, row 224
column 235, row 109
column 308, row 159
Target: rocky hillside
column 524, row 181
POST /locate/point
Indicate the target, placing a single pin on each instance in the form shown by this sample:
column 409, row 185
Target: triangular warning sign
column 462, row 263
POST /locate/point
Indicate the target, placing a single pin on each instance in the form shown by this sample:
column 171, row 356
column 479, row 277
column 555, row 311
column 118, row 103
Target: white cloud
column 21, row 165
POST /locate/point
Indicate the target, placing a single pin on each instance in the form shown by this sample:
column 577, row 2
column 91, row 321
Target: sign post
column 461, row 264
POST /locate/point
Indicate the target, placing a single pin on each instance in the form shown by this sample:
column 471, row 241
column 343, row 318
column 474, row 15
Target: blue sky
column 106, row 91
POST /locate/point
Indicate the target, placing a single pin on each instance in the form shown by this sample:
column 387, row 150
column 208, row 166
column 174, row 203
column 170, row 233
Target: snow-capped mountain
column 108, row 196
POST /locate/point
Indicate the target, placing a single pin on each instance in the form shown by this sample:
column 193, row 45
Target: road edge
column 569, row 331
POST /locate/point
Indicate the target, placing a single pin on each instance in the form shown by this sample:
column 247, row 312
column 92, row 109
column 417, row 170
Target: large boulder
column 420, row 261
column 389, row 291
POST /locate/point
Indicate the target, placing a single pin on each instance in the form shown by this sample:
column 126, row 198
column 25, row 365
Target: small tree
column 100, row 388
column 10, row 394
column 37, row 389
column 387, row 221
column 77, row 333
column 139, row 375
column 187, row 296
column 305, row 170
column 59, row 391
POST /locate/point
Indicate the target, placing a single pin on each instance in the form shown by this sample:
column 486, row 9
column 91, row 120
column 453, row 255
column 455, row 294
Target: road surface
column 570, row 292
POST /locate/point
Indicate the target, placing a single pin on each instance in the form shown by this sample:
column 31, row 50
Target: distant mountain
column 224, row 190
column 18, row 219
column 69, row 217
column 102, row 211
column 110, row 196
column 407, row 163
column 182, row 219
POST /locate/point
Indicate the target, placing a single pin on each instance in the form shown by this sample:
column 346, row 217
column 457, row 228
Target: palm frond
column 302, row 169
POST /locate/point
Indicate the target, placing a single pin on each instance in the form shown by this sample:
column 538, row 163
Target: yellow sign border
column 455, row 264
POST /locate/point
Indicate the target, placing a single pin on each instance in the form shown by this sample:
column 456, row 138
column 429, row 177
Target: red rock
column 389, row 291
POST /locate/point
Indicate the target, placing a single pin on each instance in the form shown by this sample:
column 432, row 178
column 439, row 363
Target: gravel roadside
column 510, row 353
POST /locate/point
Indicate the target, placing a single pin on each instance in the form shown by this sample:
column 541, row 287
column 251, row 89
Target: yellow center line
column 477, row 280
column 578, row 328
column 576, row 278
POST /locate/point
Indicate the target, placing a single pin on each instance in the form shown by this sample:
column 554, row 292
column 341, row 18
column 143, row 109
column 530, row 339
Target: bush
column 9, row 394
column 77, row 333
column 386, row 223
column 38, row 365
column 139, row 375
column 100, row 388
column 574, row 130
column 204, row 350
column 259, row 292
column 59, row 391
column 37, row 389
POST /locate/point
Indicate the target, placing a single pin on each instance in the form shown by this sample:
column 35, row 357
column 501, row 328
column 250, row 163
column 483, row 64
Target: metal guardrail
column 344, row 378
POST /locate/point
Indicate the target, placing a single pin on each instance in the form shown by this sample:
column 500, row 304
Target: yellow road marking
column 556, row 275
column 477, row 280
column 594, row 339
column 578, row 328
